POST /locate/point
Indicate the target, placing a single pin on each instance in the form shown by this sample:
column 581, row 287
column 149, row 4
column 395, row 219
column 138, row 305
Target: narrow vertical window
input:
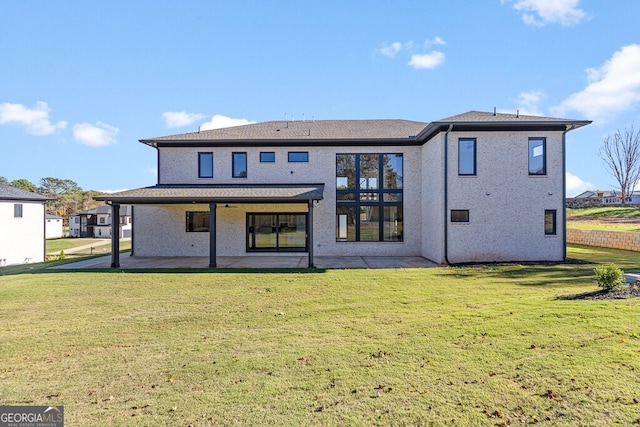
column 17, row 210
column 550, row 222
column 239, row 165
column 467, row 156
column 537, row 156
column 205, row 165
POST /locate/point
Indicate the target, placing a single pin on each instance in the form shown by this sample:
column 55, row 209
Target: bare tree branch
column 621, row 156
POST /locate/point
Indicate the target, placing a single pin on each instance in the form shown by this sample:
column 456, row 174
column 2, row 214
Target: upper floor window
column 239, row 165
column 205, row 165
column 537, row 156
column 467, row 156
column 267, row 156
column 298, row 156
column 17, row 210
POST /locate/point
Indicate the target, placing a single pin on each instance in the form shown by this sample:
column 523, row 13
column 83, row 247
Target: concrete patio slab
column 329, row 262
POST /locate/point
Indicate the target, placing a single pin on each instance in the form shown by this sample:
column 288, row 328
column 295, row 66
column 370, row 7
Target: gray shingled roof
column 9, row 192
column 354, row 132
column 221, row 193
column 311, row 130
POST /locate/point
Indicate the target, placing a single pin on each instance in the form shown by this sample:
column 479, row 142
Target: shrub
column 609, row 277
column 62, row 255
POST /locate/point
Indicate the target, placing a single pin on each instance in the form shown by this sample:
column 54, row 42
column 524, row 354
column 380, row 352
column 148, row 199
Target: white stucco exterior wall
column 506, row 205
column 22, row 239
column 432, row 200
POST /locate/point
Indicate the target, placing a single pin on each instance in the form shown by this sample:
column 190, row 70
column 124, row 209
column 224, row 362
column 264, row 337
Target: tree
column 621, row 156
column 25, row 184
column 4, row 180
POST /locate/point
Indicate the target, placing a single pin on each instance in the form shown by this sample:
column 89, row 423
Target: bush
column 62, row 255
column 609, row 277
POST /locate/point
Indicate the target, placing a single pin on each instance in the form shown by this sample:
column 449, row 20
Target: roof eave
column 276, row 142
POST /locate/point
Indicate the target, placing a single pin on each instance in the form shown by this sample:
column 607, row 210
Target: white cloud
column 391, row 50
column 528, row 102
column 427, row 60
column 543, row 12
column 98, row 135
column 113, row 191
column 436, row 41
column 575, row 185
column 613, row 88
column 176, row 119
column 218, row 122
column 153, row 171
column 36, row 120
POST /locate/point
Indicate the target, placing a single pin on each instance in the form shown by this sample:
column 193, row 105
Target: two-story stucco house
column 476, row 187
column 22, row 226
column 96, row 222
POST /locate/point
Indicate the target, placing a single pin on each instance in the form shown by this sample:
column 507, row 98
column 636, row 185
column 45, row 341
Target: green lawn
column 606, row 212
column 485, row 345
column 591, row 225
column 57, row 245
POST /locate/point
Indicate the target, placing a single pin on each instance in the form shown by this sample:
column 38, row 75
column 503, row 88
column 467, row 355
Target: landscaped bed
column 475, row 345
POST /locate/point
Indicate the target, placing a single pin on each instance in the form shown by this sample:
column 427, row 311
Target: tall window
column 369, row 198
column 550, row 222
column 279, row 232
column 537, row 156
column 205, row 165
column 197, row 221
column 467, row 156
column 239, row 165
column 17, row 210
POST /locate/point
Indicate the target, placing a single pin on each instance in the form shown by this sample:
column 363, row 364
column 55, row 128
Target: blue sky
column 81, row 82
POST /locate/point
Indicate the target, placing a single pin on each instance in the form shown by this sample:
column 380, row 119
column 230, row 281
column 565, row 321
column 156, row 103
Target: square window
column 267, row 157
column 298, row 156
column 205, row 165
column 239, row 165
column 537, row 156
column 197, row 222
column 467, row 156
column 550, row 222
column 17, row 210
column 459, row 215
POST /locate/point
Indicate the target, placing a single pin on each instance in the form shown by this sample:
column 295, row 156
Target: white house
column 476, row 187
column 610, row 198
column 97, row 223
column 53, row 227
column 22, row 226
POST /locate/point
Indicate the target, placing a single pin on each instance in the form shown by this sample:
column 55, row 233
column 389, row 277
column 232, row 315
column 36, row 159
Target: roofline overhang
column 357, row 142
column 202, row 200
column 432, row 129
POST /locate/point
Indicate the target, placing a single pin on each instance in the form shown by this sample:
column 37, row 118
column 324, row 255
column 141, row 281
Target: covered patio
column 249, row 262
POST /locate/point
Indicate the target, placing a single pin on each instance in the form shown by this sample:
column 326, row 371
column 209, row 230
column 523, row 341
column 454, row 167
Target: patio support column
column 115, row 235
column 310, row 226
column 212, row 235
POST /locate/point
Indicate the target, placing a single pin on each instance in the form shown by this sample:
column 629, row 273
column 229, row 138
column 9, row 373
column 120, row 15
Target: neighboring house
column 477, row 187
column 53, row 227
column 97, row 223
column 610, row 198
column 22, row 226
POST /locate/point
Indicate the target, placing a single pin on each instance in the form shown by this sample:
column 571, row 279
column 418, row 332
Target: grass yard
column 57, row 245
column 485, row 345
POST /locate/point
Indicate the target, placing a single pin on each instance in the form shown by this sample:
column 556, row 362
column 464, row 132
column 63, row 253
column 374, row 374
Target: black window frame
column 543, row 170
column 467, row 140
column 291, row 157
column 202, row 154
column 234, row 156
column 355, row 198
column 190, row 221
column 18, row 210
column 249, row 232
column 459, row 215
column 553, row 230
column 265, row 159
